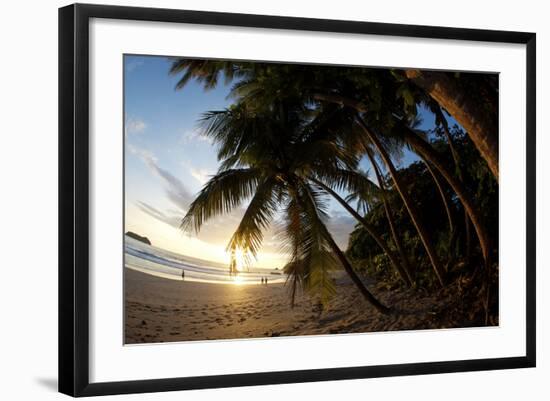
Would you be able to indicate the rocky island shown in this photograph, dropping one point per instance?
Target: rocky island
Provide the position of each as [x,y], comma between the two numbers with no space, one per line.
[135,236]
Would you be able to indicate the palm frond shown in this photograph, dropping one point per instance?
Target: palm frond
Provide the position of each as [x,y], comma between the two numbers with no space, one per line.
[220,195]
[205,72]
[320,281]
[351,181]
[249,234]
[304,238]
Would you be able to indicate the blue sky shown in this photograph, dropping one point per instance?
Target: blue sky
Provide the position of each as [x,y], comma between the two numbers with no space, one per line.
[167,161]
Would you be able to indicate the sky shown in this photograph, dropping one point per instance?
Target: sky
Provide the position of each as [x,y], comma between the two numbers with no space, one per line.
[167,161]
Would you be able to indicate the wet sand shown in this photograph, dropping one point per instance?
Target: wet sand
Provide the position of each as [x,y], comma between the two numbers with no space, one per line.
[164,310]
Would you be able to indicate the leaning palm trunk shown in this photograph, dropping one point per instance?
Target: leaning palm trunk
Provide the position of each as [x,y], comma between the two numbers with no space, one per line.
[426,151]
[479,125]
[442,195]
[391,222]
[458,169]
[370,229]
[353,275]
[439,114]
[347,265]
[447,211]
[411,208]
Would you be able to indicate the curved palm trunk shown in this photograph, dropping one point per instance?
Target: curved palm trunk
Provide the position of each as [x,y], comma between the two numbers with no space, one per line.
[429,154]
[391,222]
[456,159]
[353,275]
[426,151]
[467,237]
[351,272]
[480,126]
[411,208]
[448,136]
[442,195]
[370,229]
[447,211]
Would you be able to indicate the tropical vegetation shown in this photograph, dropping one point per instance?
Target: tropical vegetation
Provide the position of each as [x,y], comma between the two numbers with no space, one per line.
[296,136]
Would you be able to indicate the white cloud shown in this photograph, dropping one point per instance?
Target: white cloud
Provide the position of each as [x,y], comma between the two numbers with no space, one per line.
[195,136]
[134,126]
[132,65]
[172,218]
[175,189]
[201,175]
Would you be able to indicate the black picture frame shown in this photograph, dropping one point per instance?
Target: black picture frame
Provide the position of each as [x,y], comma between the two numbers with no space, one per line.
[74,198]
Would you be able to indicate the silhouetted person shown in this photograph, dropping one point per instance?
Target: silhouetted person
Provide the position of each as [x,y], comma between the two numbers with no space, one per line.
[183,275]
[262,279]
[266,281]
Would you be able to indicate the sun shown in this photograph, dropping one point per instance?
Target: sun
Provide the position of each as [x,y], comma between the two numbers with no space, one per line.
[239,260]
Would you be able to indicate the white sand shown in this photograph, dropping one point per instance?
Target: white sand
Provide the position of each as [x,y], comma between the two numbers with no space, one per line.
[161,310]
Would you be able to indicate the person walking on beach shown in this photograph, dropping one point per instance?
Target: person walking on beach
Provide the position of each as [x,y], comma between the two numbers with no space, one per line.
[183,275]
[262,279]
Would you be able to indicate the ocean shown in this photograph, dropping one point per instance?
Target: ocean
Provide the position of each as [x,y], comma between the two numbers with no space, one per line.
[162,263]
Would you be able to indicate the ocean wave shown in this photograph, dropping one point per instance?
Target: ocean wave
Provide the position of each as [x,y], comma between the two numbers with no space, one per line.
[152,260]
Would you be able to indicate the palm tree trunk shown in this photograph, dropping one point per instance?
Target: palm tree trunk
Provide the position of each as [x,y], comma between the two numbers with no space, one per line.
[426,151]
[353,275]
[411,208]
[458,169]
[480,126]
[370,229]
[439,114]
[467,238]
[443,197]
[389,216]
[349,269]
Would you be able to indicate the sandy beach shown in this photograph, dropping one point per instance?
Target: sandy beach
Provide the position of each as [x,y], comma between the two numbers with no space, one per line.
[164,310]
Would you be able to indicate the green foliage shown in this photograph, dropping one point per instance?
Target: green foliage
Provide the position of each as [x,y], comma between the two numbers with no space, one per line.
[293,124]
[267,155]
[479,181]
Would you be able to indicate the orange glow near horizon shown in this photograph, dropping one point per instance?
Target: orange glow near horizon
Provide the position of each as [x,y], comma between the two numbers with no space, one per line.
[169,238]
[239,260]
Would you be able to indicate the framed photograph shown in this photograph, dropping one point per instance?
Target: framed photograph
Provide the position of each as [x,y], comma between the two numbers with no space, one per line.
[250,199]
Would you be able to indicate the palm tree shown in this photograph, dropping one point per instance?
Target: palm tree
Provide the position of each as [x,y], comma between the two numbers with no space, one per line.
[369,227]
[479,120]
[266,156]
[426,151]
[441,121]
[206,72]
[423,233]
[389,216]
[262,83]
[443,196]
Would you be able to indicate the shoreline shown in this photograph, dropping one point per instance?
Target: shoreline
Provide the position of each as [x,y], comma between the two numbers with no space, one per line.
[163,310]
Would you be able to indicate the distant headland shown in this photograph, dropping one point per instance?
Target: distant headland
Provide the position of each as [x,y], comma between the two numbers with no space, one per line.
[135,236]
